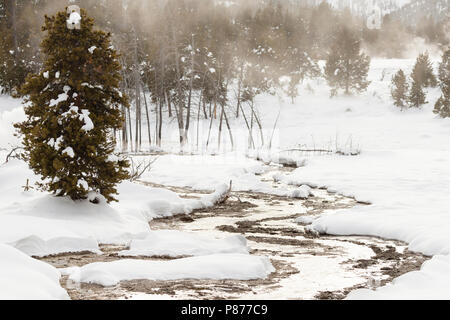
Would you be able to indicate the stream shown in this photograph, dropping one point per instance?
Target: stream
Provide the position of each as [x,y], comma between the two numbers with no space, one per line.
[308,265]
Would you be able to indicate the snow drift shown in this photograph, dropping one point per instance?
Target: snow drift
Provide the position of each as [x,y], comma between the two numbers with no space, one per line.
[24,278]
[213,267]
[176,243]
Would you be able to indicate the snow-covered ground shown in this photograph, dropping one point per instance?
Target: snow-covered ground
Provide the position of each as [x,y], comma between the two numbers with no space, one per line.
[402,170]
[37,224]
[22,277]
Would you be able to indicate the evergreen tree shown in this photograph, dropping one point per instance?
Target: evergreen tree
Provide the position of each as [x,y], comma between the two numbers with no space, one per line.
[417,96]
[399,89]
[322,23]
[295,61]
[347,67]
[442,106]
[72,111]
[423,71]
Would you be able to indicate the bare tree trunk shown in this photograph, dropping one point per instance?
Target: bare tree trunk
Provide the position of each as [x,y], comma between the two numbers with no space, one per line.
[148,119]
[131,131]
[162,96]
[204,108]
[137,85]
[220,128]
[241,76]
[191,84]
[138,121]
[180,98]
[198,118]
[229,130]
[252,119]
[160,119]
[169,105]
[157,138]
[258,123]
[248,127]
[124,131]
[209,131]
[124,85]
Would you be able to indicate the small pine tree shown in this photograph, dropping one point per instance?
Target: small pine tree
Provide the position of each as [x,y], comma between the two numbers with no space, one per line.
[442,106]
[399,89]
[72,111]
[347,68]
[417,96]
[423,71]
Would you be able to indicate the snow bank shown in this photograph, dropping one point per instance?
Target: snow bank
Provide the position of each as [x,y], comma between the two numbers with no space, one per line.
[157,203]
[430,283]
[24,278]
[33,213]
[214,267]
[176,244]
[36,247]
[149,202]
[306,220]
[41,224]
[203,172]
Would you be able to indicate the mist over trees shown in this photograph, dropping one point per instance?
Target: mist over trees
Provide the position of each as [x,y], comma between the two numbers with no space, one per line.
[347,68]
[442,106]
[190,60]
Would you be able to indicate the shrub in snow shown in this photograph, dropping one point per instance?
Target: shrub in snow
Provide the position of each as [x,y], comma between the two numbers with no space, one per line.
[399,90]
[68,132]
[347,68]
[442,106]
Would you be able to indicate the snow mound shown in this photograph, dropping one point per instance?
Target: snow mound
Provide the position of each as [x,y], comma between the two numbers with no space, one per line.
[430,283]
[45,217]
[176,244]
[157,203]
[213,267]
[211,199]
[23,278]
[49,217]
[305,220]
[41,224]
[303,192]
[36,247]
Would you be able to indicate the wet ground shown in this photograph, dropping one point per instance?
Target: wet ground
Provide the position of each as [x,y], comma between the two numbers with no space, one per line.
[308,265]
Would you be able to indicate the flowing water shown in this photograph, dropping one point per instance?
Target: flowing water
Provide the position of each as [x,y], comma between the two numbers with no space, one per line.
[308,265]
